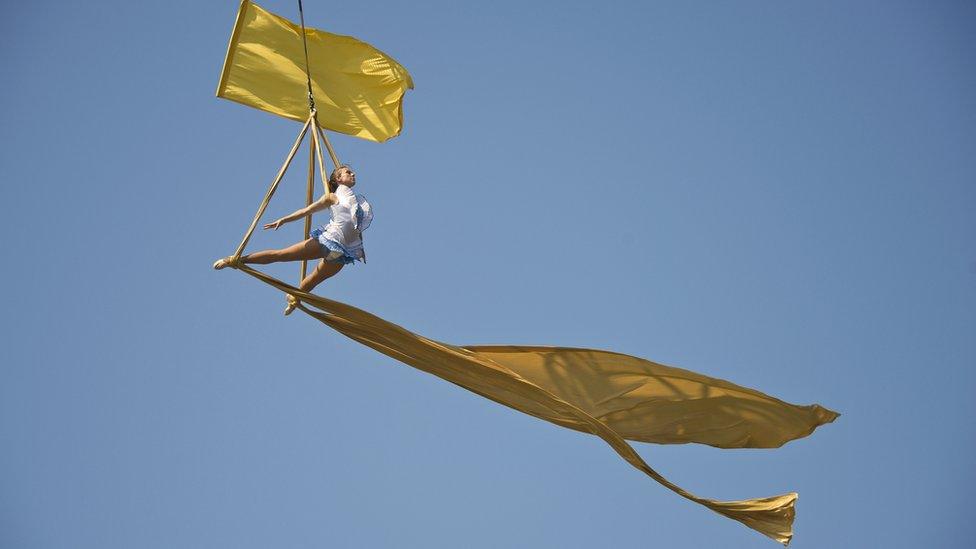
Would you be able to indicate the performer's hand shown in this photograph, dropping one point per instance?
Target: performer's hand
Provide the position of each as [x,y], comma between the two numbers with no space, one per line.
[274,224]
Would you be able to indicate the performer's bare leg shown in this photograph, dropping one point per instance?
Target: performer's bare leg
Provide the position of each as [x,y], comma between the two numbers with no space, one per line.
[323,271]
[307,249]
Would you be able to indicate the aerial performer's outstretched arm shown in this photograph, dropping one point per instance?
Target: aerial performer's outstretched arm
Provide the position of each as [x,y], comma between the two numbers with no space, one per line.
[336,244]
[327,200]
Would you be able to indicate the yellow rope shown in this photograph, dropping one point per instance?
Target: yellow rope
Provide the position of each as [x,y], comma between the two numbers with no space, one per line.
[273,188]
[309,191]
[315,154]
[328,146]
[318,154]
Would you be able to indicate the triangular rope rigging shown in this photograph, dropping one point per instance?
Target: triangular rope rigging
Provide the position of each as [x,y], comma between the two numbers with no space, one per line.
[315,153]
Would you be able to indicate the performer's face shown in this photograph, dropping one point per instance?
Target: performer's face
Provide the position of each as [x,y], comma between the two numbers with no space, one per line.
[346,177]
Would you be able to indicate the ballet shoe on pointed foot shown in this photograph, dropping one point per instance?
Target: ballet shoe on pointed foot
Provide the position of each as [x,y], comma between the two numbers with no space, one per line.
[292,305]
[229,261]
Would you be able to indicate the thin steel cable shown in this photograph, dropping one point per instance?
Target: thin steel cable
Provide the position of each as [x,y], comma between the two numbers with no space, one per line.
[308,72]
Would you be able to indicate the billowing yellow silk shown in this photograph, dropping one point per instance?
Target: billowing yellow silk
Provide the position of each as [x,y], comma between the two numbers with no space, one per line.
[358,89]
[610,395]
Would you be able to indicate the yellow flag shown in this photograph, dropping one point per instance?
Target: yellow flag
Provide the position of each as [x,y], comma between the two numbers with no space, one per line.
[358,89]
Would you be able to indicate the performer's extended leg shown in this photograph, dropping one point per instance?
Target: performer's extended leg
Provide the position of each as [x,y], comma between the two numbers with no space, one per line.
[307,249]
[323,271]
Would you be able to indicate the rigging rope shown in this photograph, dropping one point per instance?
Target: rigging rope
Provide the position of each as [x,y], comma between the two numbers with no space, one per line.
[308,72]
[316,150]
[311,98]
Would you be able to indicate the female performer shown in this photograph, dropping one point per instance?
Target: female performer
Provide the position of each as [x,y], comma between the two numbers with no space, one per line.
[336,244]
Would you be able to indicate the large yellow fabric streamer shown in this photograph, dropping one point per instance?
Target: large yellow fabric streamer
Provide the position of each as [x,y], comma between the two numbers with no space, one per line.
[610,395]
[358,89]
[649,402]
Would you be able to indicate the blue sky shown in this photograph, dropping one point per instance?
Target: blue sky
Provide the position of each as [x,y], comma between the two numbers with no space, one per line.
[780,194]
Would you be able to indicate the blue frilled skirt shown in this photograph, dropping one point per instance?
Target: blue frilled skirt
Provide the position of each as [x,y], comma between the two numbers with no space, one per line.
[333,251]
